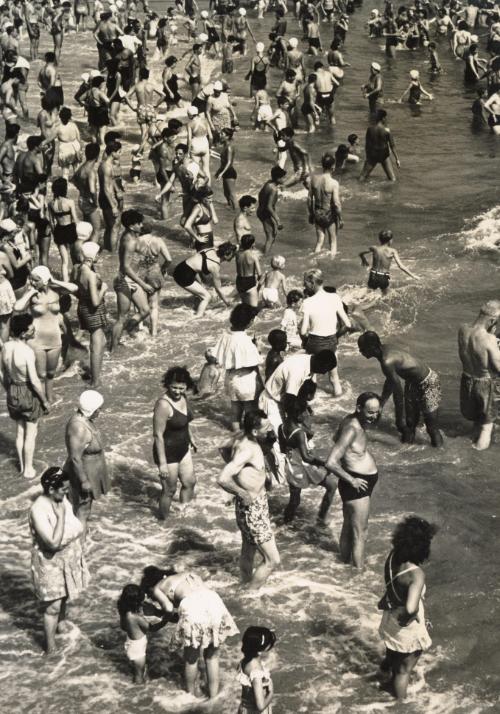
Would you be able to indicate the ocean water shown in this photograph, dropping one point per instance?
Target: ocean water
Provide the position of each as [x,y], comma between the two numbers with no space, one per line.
[443,212]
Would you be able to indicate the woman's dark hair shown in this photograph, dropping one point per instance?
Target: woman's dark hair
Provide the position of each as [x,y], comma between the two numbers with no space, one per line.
[65,115]
[171,60]
[411,540]
[97,81]
[241,316]
[131,218]
[247,241]
[255,640]
[59,187]
[92,151]
[130,600]
[226,251]
[53,477]
[177,374]
[341,153]
[352,138]
[246,201]
[152,575]
[293,297]
[201,193]
[19,323]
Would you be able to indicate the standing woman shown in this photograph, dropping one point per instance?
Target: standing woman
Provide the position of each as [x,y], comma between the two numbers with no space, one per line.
[172,440]
[226,171]
[57,563]
[92,313]
[257,74]
[199,138]
[114,91]
[62,213]
[200,222]
[220,112]
[403,627]
[17,261]
[248,271]
[42,301]
[170,82]
[152,268]
[86,463]
[97,104]
[204,621]
[70,148]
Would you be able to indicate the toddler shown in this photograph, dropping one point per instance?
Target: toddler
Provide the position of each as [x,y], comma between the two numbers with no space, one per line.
[277,340]
[289,321]
[273,280]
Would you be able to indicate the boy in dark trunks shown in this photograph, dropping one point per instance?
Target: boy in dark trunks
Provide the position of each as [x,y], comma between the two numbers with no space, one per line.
[382,257]
[266,209]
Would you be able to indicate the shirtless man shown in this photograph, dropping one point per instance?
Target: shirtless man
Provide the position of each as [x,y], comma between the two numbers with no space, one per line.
[242,225]
[288,91]
[29,164]
[128,285]
[105,32]
[8,97]
[109,195]
[266,209]
[8,157]
[162,155]
[422,390]
[26,399]
[325,208]
[244,476]
[356,469]
[193,70]
[480,356]
[86,181]
[382,257]
[378,146]
[299,158]
[325,85]
[144,92]
[49,77]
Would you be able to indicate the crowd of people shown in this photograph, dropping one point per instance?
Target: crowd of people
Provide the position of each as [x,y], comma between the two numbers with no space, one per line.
[78,202]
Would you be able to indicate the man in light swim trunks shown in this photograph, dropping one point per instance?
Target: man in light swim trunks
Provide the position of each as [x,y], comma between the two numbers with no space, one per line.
[325,209]
[244,476]
[378,146]
[266,208]
[422,390]
[356,469]
[325,85]
[144,92]
[480,356]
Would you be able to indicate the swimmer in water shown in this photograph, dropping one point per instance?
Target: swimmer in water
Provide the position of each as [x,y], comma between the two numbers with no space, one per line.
[382,257]
[209,376]
[415,90]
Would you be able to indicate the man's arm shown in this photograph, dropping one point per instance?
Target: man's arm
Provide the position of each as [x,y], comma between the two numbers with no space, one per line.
[109,187]
[343,315]
[392,146]
[76,443]
[402,267]
[393,386]
[493,354]
[226,479]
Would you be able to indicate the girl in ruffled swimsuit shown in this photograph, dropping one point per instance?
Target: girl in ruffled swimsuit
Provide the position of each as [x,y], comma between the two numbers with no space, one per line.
[256,683]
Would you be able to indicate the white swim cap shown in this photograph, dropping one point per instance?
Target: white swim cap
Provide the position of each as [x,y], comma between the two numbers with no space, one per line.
[242,11]
[204,14]
[90,401]
[260,47]
[85,76]
[42,272]
[293,42]
[202,37]
[414,74]
[94,73]
[375,12]
[84,230]
[278,262]
[192,111]
[173,28]
[376,67]
[218,86]
[8,225]
[208,89]
[90,250]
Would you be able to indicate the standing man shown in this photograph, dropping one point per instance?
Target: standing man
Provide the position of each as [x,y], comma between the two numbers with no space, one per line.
[321,312]
[86,181]
[325,209]
[109,194]
[266,206]
[378,146]
[422,390]
[244,476]
[480,356]
[325,85]
[356,469]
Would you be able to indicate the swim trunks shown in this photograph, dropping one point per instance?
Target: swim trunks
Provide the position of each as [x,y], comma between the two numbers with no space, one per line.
[377,280]
[477,399]
[123,284]
[349,493]
[146,114]
[318,343]
[324,218]
[245,283]
[424,396]
[325,99]
[136,649]
[253,520]
[23,403]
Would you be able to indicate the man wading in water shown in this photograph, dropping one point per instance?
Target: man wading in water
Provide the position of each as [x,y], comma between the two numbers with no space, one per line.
[378,147]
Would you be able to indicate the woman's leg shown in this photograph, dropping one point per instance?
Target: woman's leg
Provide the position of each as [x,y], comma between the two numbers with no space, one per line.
[236,413]
[211,655]
[402,673]
[330,486]
[168,489]
[187,478]
[154,311]
[201,292]
[205,165]
[30,432]
[191,655]
[41,366]
[63,252]
[229,186]
[50,619]
[52,357]
[20,438]
[62,624]
[139,669]
[293,503]
[123,303]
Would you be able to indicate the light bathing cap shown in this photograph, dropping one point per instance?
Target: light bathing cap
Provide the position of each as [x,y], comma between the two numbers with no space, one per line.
[90,401]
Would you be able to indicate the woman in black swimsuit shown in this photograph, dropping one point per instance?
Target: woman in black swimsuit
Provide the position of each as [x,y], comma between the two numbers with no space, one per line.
[171,83]
[114,90]
[63,217]
[199,224]
[172,439]
[190,273]
[226,171]
[97,104]
[257,73]
[248,271]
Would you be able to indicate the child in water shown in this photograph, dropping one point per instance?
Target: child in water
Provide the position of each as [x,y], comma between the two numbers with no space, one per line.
[256,683]
[289,321]
[135,624]
[272,281]
[209,376]
[263,111]
[277,340]
[382,257]
[7,302]
[415,90]
[435,65]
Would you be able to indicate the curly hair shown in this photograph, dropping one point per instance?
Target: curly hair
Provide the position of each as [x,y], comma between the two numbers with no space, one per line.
[412,538]
[177,374]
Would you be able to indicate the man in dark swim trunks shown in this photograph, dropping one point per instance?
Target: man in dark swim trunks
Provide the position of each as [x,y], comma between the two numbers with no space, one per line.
[480,356]
[266,207]
[109,195]
[422,390]
[382,257]
[378,147]
[325,85]
[356,469]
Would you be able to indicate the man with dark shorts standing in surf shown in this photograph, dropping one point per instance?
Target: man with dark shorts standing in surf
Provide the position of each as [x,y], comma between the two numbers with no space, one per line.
[480,356]
[422,391]
[378,146]
[356,469]
[266,206]
[244,477]
[325,85]
[325,209]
